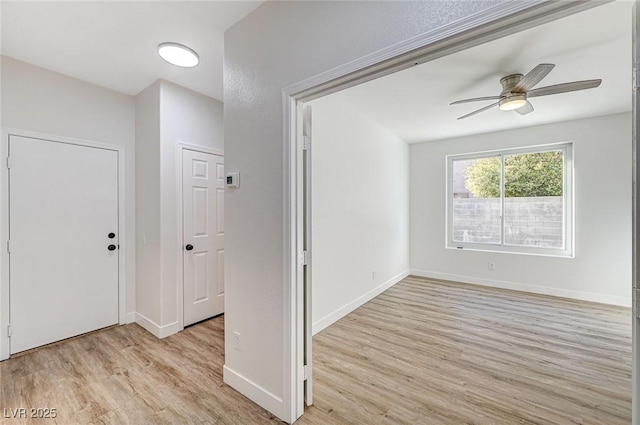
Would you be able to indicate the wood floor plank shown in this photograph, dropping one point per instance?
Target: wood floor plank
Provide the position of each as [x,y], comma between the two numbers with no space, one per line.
[424,352]
[482,355]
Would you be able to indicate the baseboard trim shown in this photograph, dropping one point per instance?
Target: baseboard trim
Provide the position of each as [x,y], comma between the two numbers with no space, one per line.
[338,314]
[535,289]
[129,317]
[155,329]
[253,391]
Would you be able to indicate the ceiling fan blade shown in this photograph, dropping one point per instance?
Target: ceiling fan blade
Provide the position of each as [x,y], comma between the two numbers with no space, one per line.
[479,110]
[533,77]
[564,88]
[526,109]
[476,99]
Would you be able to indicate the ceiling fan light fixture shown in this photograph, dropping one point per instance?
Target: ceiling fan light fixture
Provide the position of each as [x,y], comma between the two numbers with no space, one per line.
[178,54]
[513,102]
[516,88]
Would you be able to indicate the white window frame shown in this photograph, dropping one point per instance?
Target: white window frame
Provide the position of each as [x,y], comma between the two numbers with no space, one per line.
[567,250]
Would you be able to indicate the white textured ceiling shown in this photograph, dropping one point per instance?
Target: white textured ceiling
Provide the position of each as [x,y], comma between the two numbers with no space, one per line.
[114,43]
[414,103]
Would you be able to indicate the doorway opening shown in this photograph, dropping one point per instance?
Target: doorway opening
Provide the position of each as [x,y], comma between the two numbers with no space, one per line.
[343,176]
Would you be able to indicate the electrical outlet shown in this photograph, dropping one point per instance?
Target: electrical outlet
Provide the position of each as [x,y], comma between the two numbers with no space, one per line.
[236,341]
[491,267]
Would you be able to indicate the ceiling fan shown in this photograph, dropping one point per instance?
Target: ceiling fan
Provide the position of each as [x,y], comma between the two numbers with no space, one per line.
[517,88]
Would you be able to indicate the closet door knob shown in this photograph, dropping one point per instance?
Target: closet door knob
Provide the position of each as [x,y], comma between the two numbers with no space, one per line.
[189,247]
[111,247]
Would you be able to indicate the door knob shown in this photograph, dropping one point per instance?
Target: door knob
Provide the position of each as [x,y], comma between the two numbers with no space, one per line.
[189,247]
[111,235]
[111,247]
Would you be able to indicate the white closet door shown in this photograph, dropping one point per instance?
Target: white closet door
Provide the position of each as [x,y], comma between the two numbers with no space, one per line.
[203,234]
[63,207]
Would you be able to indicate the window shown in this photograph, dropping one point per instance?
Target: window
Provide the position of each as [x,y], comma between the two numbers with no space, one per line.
[515,200]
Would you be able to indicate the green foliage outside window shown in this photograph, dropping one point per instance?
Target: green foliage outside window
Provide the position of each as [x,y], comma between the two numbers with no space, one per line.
[525,175]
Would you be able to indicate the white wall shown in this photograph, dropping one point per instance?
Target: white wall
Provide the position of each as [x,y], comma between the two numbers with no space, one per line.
[360,208]
[601,269]
[275,46]
[190,117]
[148,298]
[167,115]
[43,101]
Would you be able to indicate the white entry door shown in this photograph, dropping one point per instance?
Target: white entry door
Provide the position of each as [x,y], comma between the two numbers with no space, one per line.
[203,235]
[63,252]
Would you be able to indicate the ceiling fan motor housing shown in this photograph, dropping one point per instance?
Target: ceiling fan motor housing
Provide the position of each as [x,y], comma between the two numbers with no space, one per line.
[509,82]
[511,100]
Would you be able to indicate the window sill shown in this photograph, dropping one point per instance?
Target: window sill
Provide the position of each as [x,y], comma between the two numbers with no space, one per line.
[517,251]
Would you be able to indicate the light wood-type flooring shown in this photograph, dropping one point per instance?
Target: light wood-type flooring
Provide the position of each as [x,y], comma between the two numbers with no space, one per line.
[424,352]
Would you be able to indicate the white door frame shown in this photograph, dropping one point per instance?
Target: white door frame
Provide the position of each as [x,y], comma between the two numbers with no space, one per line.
[182,146]
[496,22]
[4,225]
[635,375]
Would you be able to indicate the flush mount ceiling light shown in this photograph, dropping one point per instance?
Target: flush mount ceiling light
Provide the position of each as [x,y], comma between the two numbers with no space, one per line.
[178,55]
